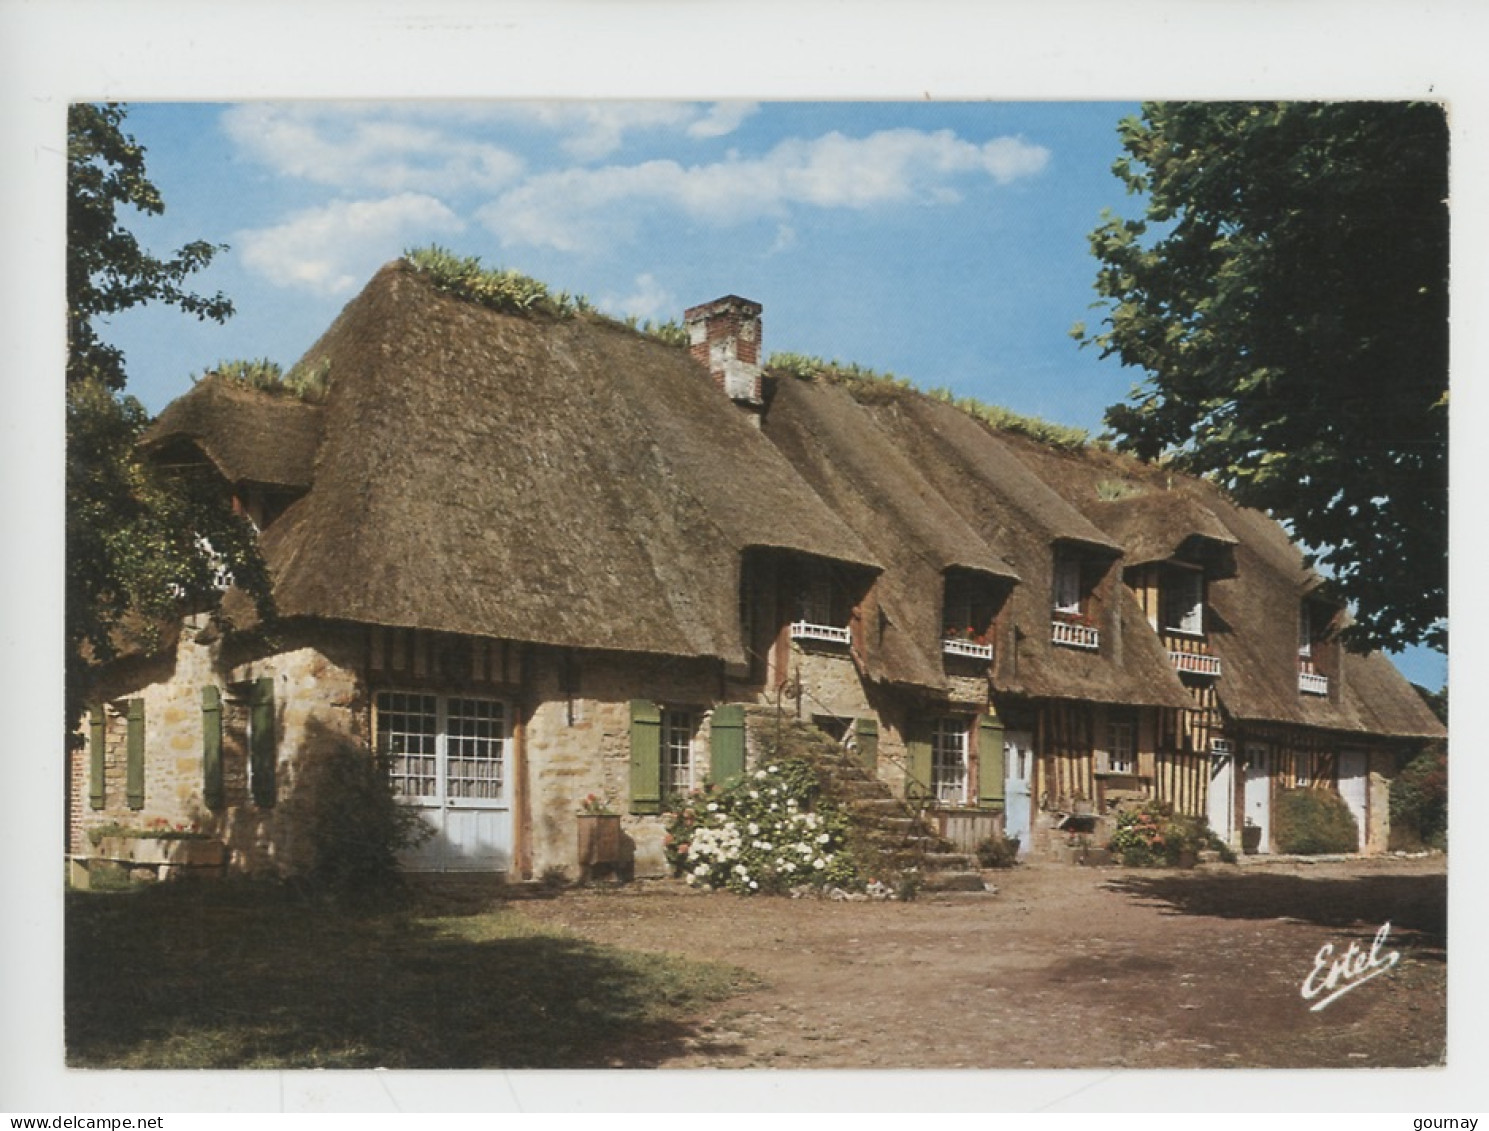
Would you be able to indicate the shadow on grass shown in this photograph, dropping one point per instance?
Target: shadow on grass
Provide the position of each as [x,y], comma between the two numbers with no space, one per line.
[1416,906]
[249,977]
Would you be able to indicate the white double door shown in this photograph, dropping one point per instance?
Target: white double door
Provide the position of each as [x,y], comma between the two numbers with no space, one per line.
[448,758]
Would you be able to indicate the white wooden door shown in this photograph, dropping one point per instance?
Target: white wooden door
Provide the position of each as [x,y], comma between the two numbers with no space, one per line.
[1018,776]
[1221,804]
[448,757]
[1258,797]
[1354,785]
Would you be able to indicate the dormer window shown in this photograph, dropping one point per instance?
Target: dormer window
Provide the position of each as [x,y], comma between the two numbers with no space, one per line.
[968,611]
[1313,656]
[1072,621]
[1184,600]
[824,607]
[1067,586]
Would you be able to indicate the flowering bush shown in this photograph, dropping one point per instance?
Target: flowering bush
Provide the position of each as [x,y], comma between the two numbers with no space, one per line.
[156,828]
[767,831]
[595,806]
[1154,835]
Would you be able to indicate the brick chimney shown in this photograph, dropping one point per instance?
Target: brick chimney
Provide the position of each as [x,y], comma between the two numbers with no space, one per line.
[724,335]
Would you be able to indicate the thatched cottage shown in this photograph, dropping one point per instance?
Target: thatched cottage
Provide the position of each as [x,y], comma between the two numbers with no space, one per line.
[533,559]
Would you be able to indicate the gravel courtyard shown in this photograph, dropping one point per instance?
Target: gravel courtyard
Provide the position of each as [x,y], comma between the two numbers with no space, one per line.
[1061,967]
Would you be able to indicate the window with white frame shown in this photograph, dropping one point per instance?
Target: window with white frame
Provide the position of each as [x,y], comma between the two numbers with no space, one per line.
[1121,747]
[949,760]
[679,745]
[443,748]
[1184,601]
[1305,632]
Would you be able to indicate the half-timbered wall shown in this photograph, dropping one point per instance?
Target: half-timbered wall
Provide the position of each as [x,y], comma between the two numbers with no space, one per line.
[1065,742]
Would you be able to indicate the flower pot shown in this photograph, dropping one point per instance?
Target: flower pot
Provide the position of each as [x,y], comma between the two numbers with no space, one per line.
[599,844]
[1251,839]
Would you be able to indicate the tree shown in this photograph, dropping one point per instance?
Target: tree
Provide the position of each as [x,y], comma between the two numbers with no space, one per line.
[141,545]
[1286,290]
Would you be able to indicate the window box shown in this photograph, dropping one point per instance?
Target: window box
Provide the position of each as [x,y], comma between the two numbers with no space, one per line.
[1195,663]
[968,648]
[830,634]
[1311,683]
[1075,635]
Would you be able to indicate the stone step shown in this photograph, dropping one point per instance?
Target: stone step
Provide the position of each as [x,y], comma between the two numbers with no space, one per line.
[953,881]
[951,861]
[864,790]
[888,806]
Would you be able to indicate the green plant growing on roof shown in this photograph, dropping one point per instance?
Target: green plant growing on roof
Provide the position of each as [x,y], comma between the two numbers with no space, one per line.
[506,290]
[1111,490]
[512,292]
[308,382]
[870,386]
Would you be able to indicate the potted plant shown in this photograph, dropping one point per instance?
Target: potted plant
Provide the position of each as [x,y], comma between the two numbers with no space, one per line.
[1251,838]
[599,838]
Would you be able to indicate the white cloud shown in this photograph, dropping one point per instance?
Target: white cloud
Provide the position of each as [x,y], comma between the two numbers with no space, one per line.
[649,300]
[577,208]
[332,249]
[722,118]
[596,129]
[390,148]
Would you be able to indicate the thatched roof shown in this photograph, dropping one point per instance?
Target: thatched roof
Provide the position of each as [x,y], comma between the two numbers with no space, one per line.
[250,436]
[1253,603]
[1160,525]
[938,468]
[854,466]
[561,482]
[571,482]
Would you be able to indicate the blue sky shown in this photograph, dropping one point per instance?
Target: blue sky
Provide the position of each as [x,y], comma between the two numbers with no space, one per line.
[944,242]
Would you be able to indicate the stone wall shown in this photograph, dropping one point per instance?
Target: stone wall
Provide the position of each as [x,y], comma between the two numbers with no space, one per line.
[579,743]
[317,702]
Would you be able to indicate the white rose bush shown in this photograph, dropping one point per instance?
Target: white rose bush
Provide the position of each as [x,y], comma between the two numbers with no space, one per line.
[767,831]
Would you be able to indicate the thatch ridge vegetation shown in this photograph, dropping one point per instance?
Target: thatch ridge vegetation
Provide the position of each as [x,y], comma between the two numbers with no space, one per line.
[871,386]
[512,292]
[309,382]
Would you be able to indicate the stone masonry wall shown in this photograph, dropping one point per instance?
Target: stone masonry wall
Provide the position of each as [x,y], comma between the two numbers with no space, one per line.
[317,702]
[581,744]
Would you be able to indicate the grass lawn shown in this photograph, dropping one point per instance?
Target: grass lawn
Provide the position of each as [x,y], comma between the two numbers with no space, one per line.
[239,975]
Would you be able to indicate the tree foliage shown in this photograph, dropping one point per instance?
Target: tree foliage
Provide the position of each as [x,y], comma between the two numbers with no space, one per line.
[141,545]
[1286,291]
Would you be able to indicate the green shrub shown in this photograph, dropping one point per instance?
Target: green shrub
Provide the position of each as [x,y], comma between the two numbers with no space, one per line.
[1419,802]
[357,824]
[998,852]
[1308,822]
[1155,836]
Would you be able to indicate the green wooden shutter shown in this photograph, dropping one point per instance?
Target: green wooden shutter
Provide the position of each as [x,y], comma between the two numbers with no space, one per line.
[646,757]
[212,792]
[262,748]
[917,761]
[96,731]
[726,745]
[989,760]
[866,734]
[134,773]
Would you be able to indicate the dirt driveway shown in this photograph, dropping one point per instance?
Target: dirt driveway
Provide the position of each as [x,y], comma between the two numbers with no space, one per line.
[1062,967]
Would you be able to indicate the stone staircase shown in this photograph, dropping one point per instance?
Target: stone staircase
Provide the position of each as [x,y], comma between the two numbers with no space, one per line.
[884,827]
